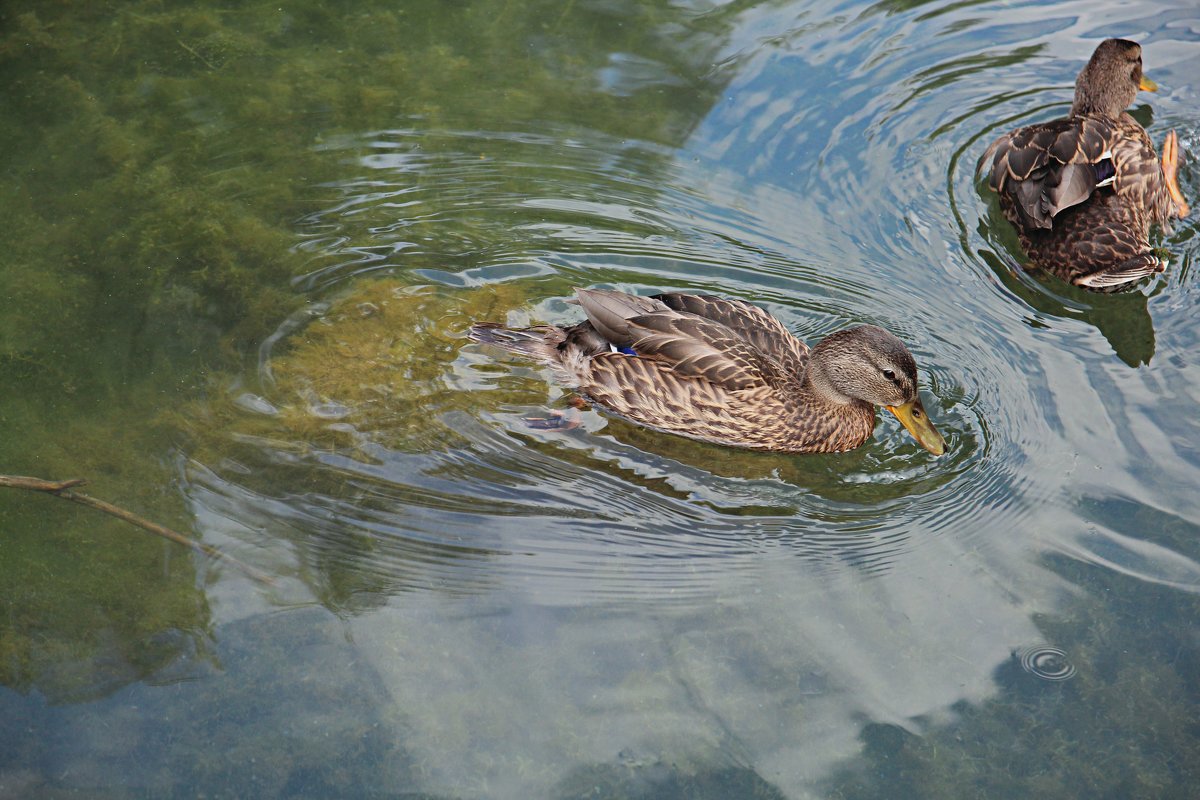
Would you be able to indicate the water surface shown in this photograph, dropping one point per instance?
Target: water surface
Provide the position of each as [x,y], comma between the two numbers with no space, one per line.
[288,222]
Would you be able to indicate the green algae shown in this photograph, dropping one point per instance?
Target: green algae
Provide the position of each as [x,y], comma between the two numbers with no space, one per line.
[1125,725]
[375,362]
[87,600]
[157,156]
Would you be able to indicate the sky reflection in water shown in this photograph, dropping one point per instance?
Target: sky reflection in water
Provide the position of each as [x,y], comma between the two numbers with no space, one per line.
[496,611]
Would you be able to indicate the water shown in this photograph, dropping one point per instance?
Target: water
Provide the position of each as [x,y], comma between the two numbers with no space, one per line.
[270,320]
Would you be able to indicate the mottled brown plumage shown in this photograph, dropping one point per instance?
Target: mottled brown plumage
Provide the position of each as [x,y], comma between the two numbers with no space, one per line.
[727,372]
[1083,191]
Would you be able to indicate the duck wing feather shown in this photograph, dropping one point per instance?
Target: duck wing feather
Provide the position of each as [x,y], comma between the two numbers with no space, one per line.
[1100,245]
[751,323]
[701,349]
[1045,168]
[609,312]
[728,343]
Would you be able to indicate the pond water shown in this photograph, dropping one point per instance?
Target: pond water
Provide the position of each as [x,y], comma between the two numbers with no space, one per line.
[245,245]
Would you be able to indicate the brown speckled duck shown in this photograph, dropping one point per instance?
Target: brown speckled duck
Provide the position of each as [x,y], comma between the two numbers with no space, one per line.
[1083,191]
[728,372]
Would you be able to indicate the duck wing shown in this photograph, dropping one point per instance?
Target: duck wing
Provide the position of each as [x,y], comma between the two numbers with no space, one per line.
[692,346]
[695,377]
[749,322]
[1042,169]
[701,349]
[609,312]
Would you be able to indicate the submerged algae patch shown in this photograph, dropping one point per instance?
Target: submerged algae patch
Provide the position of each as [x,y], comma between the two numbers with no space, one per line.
[158,156]
[382,353]
[372,367]
[91,603]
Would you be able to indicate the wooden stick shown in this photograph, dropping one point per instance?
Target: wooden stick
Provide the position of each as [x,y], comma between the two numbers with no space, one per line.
[63,489]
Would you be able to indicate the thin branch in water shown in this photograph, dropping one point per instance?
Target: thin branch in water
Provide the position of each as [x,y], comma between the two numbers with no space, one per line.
[192,50]
[63,489]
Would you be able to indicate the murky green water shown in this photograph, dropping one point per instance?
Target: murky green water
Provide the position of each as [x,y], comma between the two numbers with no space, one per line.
[243,244]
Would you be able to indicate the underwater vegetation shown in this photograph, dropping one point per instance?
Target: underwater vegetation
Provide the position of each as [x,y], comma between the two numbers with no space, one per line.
[156,157]
[185,329]
[159,154]
[363,363]
[1115,728]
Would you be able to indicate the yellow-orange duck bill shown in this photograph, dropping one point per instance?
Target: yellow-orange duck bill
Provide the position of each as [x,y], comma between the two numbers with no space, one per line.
[1147,85]
[914,419]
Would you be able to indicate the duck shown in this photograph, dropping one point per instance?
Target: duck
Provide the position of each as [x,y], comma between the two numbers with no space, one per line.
[725,371]
[1083,191]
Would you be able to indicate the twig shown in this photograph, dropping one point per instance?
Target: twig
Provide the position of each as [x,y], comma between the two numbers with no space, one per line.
[63,489]
[192,50]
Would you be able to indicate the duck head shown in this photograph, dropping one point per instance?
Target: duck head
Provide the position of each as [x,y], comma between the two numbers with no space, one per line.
[871,365]
[1111,80]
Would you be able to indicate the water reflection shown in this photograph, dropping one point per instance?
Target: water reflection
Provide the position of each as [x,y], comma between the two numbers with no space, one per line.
[1122,319]
[429,473]
[825,567]
[538,613]
[434,484]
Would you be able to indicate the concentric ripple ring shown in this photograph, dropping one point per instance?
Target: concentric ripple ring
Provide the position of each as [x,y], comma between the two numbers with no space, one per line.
[1048,663]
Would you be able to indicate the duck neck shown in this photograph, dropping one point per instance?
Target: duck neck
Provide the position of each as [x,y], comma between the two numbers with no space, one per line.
[827,420]
[817,388]
[1097,97]
[1085,106]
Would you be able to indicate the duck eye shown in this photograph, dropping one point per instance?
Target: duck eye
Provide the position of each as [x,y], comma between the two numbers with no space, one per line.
[891,376]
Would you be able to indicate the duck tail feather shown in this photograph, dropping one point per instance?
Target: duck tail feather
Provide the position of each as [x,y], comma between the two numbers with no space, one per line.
[540,342]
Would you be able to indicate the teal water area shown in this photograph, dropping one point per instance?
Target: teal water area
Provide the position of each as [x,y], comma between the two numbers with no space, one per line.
[244,243]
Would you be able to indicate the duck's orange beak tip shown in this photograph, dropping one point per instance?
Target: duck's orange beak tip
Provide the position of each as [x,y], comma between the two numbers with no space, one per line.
[914,419]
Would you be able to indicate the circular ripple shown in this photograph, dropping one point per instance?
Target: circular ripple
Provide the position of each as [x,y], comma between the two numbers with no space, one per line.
[439,476]
[870,211]
[1048,663]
